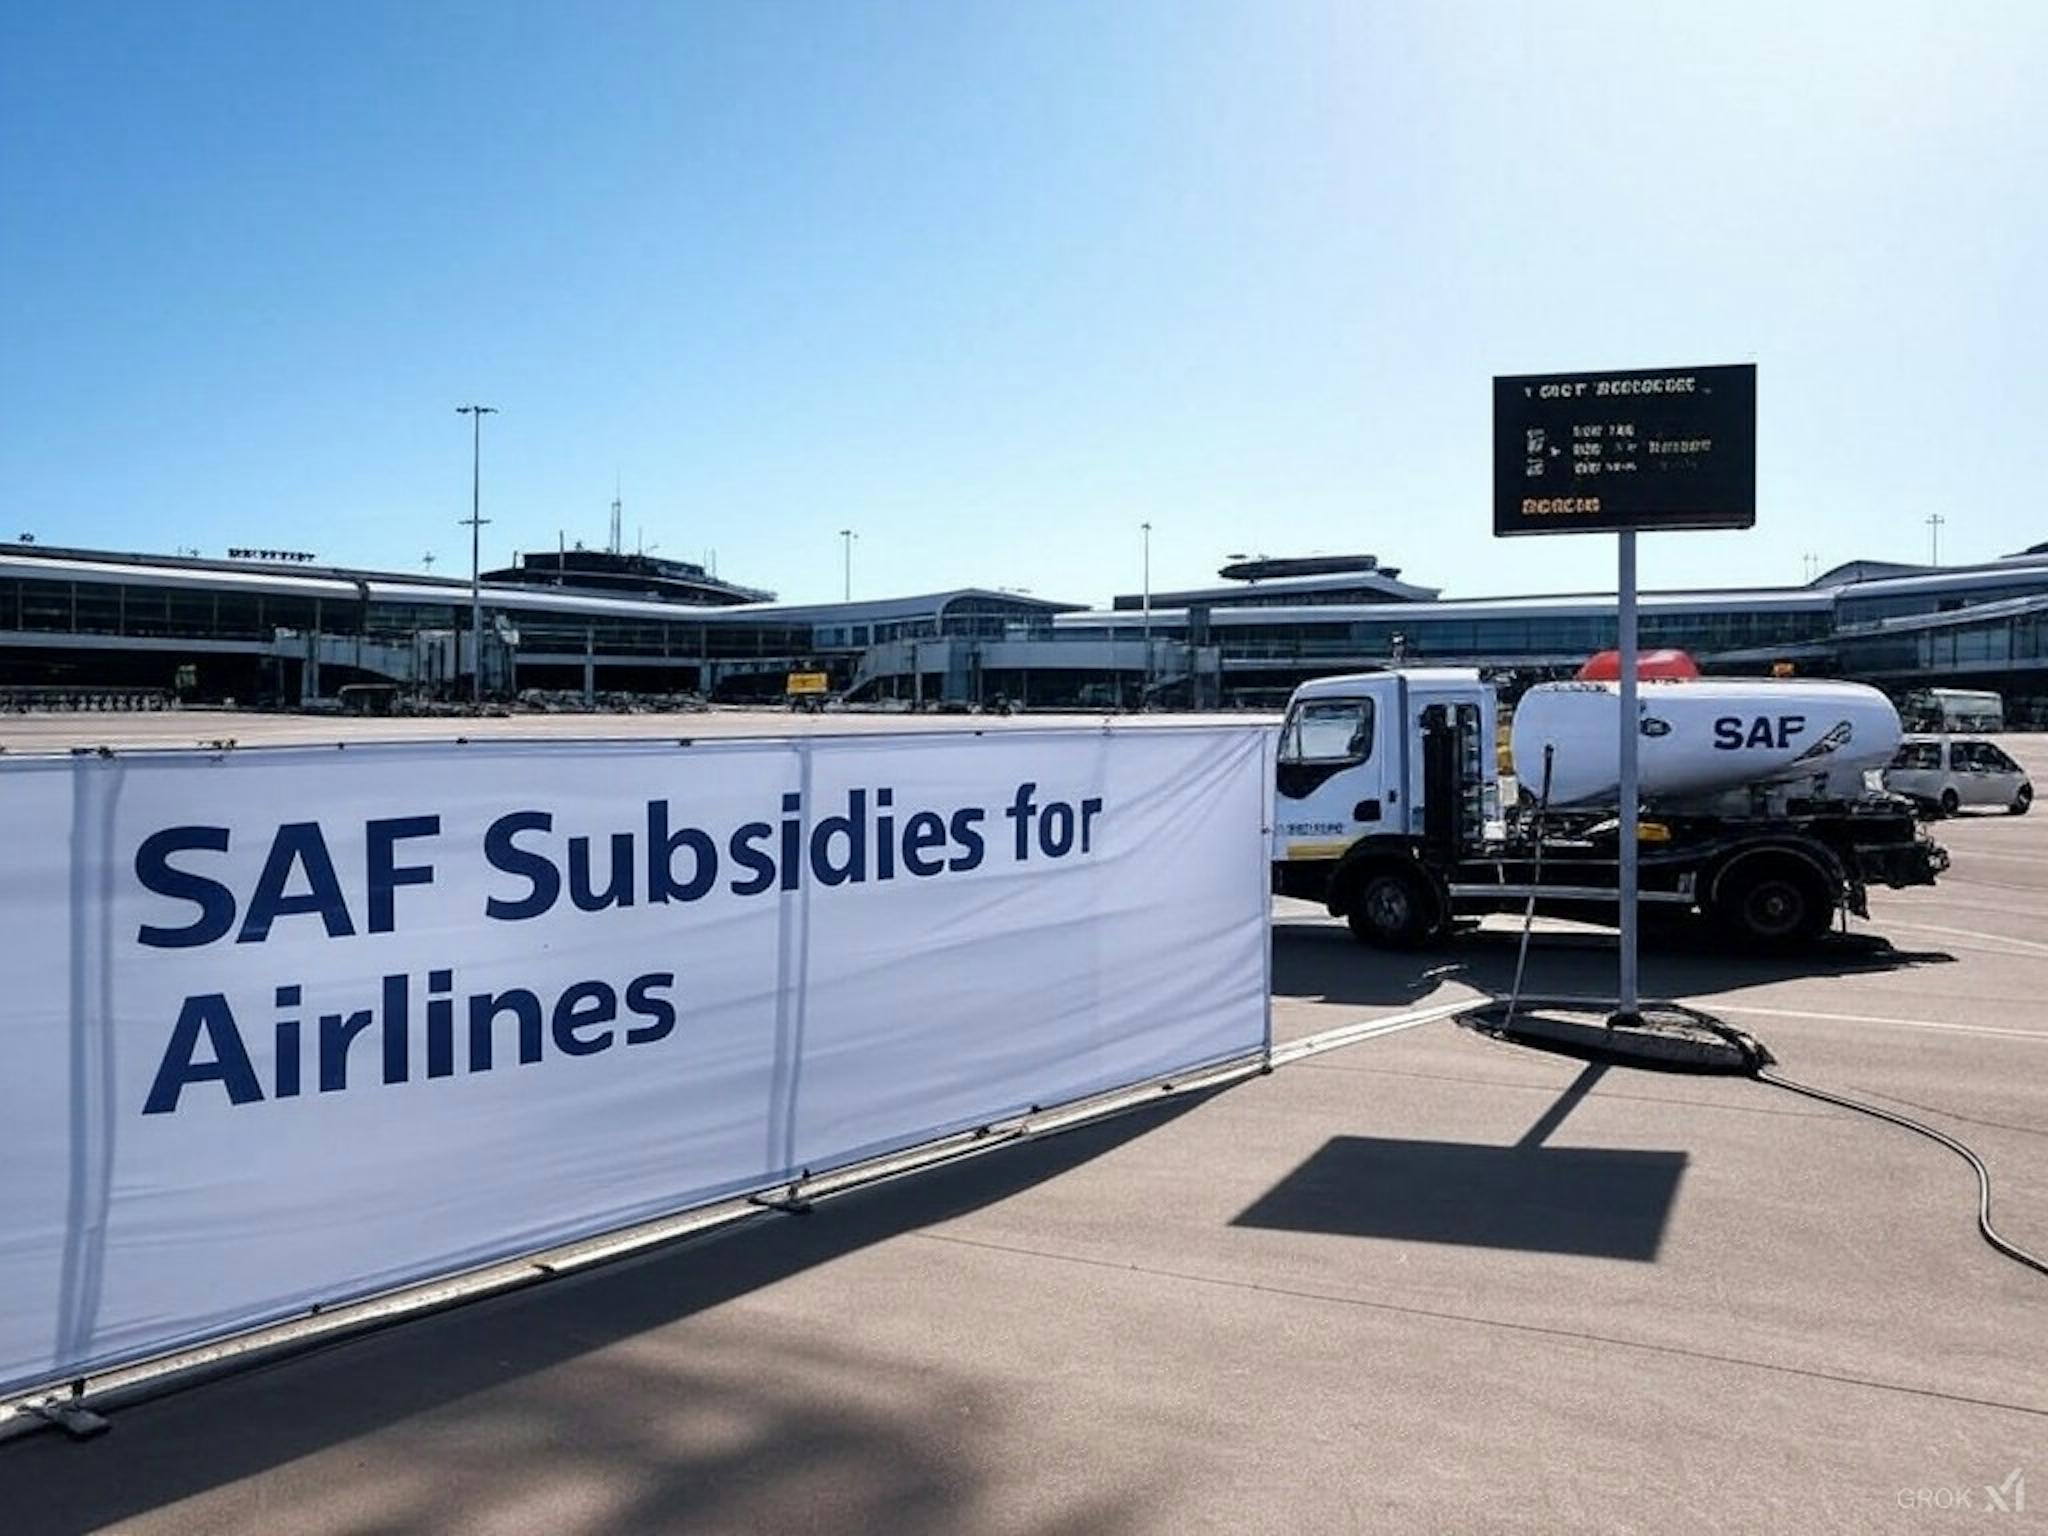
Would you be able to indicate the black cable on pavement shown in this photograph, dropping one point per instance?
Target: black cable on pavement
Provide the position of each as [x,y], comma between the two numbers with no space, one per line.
[1535,880]
[1991,1234]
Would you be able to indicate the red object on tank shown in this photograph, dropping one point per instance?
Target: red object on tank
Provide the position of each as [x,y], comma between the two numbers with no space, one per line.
[1605,666]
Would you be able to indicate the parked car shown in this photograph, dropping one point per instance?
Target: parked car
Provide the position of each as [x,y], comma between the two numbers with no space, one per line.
[1946,774]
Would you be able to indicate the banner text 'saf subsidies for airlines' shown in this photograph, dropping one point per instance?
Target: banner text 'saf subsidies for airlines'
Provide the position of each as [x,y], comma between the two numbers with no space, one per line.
[286,1027]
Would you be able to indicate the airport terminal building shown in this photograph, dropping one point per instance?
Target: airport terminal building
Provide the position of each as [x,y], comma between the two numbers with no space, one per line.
[291,633]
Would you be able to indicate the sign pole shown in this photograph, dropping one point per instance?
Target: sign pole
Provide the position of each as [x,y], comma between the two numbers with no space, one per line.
[1631,736]
[1626,451]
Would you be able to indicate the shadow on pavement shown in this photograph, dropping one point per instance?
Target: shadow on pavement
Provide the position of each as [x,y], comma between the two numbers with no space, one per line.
[1321,961]
[1593,1201]
[668,1433]
[1601,1202]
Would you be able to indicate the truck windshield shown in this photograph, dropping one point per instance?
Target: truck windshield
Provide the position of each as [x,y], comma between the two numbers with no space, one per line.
[1328,731]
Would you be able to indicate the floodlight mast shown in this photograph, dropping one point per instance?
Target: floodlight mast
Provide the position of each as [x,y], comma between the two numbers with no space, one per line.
[1145,686]
[475,523]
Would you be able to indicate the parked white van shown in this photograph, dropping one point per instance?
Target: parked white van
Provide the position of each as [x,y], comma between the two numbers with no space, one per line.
[1947,774]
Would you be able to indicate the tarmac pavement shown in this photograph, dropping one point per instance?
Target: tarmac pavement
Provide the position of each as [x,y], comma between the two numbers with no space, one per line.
[1424,1282]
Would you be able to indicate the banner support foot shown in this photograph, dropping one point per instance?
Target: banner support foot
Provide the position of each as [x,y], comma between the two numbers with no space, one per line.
[71,1415]
[790,1203]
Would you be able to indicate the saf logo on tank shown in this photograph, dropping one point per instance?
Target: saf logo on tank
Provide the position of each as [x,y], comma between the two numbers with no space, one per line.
[1731,734]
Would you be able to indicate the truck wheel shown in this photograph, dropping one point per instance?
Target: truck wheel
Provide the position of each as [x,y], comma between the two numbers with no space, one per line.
[1773,903]
[1951,802]
[2023,801]
[1391,910]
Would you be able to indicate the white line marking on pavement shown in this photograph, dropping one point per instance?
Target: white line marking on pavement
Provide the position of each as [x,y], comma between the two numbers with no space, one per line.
[2039,1036]
[1714,1005]
[1999,939]
[1368,1029]
[1371,1029]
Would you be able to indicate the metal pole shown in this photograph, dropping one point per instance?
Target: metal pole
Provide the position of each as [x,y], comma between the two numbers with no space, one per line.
[1631,735]
[476,533]
[1145,687]
[476,414]
[846,539]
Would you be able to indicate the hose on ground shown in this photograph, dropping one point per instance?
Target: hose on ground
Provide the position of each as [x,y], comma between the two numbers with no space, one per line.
[1757,1062]
[1535,880]
[1990,1233]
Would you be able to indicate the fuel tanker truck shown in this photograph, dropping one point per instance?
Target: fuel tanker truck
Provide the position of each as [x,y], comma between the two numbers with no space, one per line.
[1390,807]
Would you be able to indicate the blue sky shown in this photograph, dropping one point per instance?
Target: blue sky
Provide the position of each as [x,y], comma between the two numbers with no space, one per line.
[994,284]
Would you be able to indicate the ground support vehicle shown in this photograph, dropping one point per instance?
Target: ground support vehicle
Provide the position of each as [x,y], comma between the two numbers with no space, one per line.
[1389,809]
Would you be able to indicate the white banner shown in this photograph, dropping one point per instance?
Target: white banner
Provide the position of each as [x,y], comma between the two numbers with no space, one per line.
[297,1026]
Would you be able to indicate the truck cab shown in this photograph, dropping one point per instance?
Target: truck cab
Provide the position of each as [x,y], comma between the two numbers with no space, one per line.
[1379,776]
[1346,768]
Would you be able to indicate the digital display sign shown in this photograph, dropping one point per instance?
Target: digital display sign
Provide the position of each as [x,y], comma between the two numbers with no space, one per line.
[1647,448]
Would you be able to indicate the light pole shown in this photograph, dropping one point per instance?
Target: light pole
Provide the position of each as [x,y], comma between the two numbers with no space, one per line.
[476,414]
[1934,522]
[1145,687]
[847,536]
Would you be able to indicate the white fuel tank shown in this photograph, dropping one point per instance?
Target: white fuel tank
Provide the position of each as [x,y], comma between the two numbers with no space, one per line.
[1701,739]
